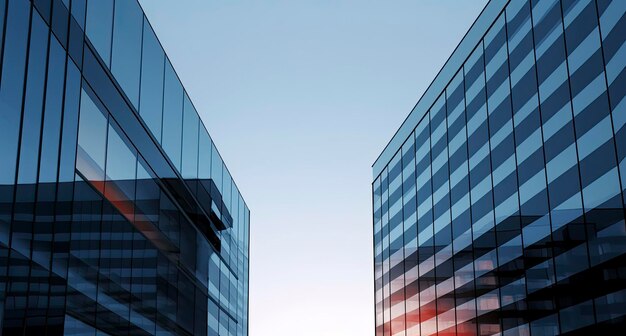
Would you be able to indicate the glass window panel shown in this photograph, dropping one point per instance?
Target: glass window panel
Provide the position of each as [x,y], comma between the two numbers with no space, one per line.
[172,116]
[213,318]
[74,327]
[147,196]
[246,227]
[613,27]
[33,104]
[45,8]
[611,306]
[228,182]
[60,21]
[126,59]
[188,244]
[202,265]
[92,133]
[70,123]
[545,326]
[190,140]
[240,220]
[577,316]
[169,218]
[204,156]
[223,324]
[224,284]
[100,27]
[78,11]
[152,67]
[216,168]
[52,115]
[120,159]
[12,85]
[121,166]
[214,275]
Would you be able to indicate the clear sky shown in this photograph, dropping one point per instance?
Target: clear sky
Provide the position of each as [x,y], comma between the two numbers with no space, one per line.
[300,97]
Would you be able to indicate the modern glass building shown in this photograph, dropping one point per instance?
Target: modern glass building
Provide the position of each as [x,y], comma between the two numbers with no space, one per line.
[117,213]
[498,206]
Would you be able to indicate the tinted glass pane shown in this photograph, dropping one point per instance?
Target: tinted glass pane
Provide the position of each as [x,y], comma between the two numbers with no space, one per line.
[73,327]
[92,134]
[78,11]
[172,116]
[190,140]
[228,184]
[70,123]
[214,275]
[100,27]
[216,168]
[126,59]
[120,173]
[12,85]
[120,164]
[147,195]
[152,66]
[204,155]
[33,104]
[52,115]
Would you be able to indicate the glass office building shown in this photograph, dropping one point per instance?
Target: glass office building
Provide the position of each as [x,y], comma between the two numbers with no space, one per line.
[498,206]
[117,213]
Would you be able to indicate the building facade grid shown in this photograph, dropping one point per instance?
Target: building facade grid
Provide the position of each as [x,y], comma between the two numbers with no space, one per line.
[117,212]
[503,211]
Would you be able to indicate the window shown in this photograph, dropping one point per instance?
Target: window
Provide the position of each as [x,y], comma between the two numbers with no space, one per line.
[100,26]
[92,135]
[204,155]
[70,124]
[120,167]
[33,104]
[190,140]
[152,67]
[216,168]
[172,116]
[52,115]
[126,59]
[11,86]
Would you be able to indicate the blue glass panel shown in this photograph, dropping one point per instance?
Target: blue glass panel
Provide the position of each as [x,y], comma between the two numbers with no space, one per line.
[33,104]
[152,67]
[204,155]
[126,59]
[216,168]
[100,27]
[213,318]
[78,11]
[52,114]
[172,116]
[120,163]
[121,166]
[70,124]
[92,135]
[12,86]
[190,140]
[214,275]
[228,182]
[74,327]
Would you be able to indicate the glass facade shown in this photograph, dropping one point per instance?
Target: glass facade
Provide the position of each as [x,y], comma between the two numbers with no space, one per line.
[117,213]
[498,207]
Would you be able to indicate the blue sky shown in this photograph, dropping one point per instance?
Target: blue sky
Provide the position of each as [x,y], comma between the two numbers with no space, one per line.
[300,98]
